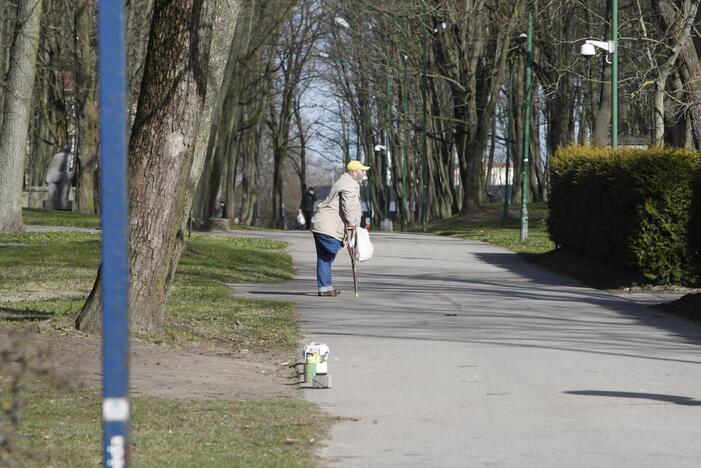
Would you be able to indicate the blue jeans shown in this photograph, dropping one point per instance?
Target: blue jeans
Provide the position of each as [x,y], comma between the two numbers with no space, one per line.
[326,249]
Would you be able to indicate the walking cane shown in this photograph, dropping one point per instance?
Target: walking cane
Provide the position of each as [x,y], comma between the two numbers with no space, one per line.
[351,253]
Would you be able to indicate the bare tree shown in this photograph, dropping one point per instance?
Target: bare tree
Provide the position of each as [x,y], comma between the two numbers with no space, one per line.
[86,102]
[180,86]
[681,28]
[253,33]
[297,42]
[16,112]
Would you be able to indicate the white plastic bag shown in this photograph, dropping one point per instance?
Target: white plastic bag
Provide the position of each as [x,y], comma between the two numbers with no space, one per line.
[300,218]
[363,247]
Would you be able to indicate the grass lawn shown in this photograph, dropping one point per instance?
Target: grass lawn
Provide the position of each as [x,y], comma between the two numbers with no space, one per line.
[488,226]
[44,280]
[60,428]
[59,218]
[46,277]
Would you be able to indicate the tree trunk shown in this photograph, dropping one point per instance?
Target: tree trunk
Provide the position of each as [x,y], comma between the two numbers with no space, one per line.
[16,111]
[518,118]
[139,15]
[86,78]
[279,153]
[302,137]
[229,183]
[490,159]
[6,15]
[180,86]
[226,112]
[249,176]
[47,130]
[602,109]
[687,18]
[690,71]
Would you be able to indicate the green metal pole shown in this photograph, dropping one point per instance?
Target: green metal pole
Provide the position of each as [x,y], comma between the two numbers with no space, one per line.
[508,141]
[424,105]
[388,124]
[614,75]
[405,158]
[527,128]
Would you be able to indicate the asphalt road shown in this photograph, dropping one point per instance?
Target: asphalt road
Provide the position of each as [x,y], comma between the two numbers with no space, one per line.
[457,353]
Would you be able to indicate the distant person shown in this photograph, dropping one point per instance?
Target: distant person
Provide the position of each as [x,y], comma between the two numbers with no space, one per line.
[336,217]
[307,206]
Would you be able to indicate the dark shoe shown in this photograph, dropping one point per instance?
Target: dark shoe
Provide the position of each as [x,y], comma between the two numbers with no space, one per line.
[333,292]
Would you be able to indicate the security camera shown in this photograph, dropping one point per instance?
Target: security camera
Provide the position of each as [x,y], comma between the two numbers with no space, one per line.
[522,38]
[588,49]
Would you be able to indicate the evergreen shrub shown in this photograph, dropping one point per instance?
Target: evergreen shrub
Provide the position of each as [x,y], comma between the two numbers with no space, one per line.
[634,209]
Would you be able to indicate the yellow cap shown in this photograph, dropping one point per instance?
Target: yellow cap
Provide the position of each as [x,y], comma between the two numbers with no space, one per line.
[356,165]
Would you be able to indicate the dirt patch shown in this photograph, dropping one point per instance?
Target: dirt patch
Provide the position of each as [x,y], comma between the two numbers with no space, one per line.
[163,371]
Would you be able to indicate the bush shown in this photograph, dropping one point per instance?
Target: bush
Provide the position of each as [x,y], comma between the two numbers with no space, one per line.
[634,209]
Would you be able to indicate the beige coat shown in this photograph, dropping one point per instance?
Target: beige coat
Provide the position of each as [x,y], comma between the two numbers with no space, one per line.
[341,208]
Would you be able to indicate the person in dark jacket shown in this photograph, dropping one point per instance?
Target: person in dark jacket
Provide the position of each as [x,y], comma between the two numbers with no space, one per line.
[307,206]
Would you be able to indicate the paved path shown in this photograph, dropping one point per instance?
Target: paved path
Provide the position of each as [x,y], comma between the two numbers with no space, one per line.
[457,353]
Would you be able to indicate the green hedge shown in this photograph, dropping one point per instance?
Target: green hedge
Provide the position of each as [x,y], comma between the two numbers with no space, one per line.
[635,209]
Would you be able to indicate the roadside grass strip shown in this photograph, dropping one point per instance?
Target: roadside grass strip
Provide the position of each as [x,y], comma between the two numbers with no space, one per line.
[46,277]
[203,309]
[488,227]
[59,428]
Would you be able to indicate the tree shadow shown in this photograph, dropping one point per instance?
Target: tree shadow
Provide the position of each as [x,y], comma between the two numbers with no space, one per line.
[593,273]
[642,314]
[676,399]
[23,315]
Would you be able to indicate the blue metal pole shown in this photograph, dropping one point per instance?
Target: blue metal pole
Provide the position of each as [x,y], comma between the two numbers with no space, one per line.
[114,213]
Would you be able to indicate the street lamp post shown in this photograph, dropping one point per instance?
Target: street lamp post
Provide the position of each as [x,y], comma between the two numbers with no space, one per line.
[405,126]
[388,124]
[527,127]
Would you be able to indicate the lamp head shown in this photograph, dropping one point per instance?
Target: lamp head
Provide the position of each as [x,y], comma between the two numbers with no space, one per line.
[588,49]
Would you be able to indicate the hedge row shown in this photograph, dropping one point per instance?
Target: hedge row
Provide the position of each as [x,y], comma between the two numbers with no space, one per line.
[635,209]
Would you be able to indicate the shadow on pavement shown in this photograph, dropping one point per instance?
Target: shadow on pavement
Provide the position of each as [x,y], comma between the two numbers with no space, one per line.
[677,400]
[282,293]
[642,314]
